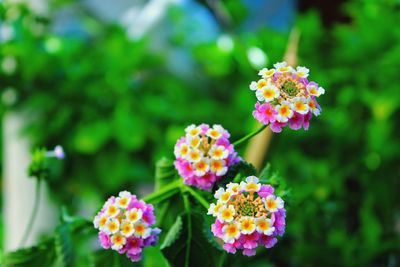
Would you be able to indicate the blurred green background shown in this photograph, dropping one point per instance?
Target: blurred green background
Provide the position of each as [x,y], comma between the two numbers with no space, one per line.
[116,93]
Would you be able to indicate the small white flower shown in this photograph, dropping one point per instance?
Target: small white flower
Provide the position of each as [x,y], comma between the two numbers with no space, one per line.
[134,215]
[272,203]
[112,226]
[193,141]
[300,105]
[266,73]
[282,67]
[314,90]
[194,155]
[247,225]
[231,232]
[181,151]
[219,192]
[214,209]
[284,112]
[193,130]
[252,179]
[251,185]
[141,230]
[118,241]
[226,214]
[254,86]
[225,197]
[201,167]
[313,107]
[302,72]
[215,132]
[267,93]
[233,187]
[218,152]
[100,221]
[264,226]
[218,167]
[127,228]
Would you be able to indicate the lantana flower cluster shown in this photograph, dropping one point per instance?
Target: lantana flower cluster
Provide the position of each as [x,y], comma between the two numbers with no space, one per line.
[204,155]
[247,215]
[125,225]
[286,97]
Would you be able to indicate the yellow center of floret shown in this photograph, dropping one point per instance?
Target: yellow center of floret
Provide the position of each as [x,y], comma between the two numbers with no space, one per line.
[271,204]
[268,93]
[217,153]
[194,132]
[123,201]
[269,72]
[127,228]
[112,210]
[118,239]
[247,224]
[263,225]
[184,150]
[217,207]
[300,105]
[251,187]
[216,165]
[313,91]
[102,221]
[195,142]
[284,111]
[201,166]
[139,228]
[194,155]
[214,133]
[232,230]
[133,216]
[225,196]
[261,84]
[227,214]
[112,226]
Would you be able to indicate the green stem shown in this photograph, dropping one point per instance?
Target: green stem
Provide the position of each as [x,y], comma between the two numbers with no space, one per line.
[186,204]
[198,197]
[249,136]
[222,259]
[32,217]
[164,193]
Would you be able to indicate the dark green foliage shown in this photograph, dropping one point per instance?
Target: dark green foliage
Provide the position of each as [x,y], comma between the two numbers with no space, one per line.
[200,253]
[41,255]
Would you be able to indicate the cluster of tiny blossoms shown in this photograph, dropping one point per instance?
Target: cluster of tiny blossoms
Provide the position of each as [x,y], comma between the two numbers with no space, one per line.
[247,215]
[124,225]
[204,155]
[286,97]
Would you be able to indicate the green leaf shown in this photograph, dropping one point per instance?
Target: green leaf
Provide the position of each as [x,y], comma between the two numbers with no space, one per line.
[238,172]
[201,252]
[209,235]
[173,233]
[64,246]
[42,254]
[265,174]
[165,172]
[268,176]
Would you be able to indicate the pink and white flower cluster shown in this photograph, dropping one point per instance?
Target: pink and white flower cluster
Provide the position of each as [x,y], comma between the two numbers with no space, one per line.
[125,225]
[286,97]
[247,215]
[204,155]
